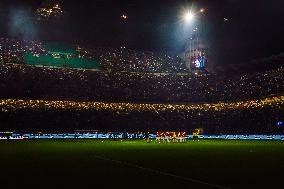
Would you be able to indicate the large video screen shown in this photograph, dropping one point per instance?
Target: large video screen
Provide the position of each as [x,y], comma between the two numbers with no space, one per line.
[198,62]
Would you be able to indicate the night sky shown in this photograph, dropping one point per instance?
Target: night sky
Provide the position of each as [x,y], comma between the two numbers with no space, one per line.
[254,28]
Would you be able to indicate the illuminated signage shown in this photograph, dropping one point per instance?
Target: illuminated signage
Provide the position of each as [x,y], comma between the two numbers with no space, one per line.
[198,63]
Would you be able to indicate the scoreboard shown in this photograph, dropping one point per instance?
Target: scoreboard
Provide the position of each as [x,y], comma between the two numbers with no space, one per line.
[198,62]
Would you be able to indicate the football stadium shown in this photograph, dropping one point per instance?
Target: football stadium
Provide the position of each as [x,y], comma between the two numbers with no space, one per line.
[81,114]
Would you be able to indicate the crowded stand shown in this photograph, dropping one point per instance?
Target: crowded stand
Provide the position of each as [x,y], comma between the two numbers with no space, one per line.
[126,76]
[111,59]
[152,91]
[21,81]
[249,117]
[124,59]
[12,50]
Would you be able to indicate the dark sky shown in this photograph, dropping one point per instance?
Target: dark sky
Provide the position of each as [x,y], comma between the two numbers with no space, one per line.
[255,28]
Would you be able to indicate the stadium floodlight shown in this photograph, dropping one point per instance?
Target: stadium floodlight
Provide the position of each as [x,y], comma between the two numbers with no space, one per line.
[189,16]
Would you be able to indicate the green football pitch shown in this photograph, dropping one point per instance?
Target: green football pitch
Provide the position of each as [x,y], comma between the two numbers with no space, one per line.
[137,164]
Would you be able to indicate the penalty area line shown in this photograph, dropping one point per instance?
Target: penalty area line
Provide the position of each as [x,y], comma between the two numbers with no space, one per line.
[161,172]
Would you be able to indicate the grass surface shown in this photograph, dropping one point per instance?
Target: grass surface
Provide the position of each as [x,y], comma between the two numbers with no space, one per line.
[137,164]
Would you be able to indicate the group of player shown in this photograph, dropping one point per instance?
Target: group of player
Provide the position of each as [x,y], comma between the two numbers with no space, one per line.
[170,137]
